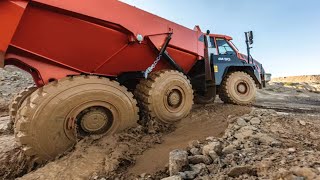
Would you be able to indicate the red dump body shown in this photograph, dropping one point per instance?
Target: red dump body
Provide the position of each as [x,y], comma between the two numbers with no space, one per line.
[52,39]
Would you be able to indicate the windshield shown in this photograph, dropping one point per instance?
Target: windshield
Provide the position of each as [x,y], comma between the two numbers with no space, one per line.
[234,45]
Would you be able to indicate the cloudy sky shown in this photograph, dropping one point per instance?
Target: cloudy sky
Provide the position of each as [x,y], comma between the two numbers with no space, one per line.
[287,32]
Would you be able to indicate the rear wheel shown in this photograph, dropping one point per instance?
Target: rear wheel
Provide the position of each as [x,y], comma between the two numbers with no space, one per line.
[53,116]
[18,100]
[166,95]
[238,88]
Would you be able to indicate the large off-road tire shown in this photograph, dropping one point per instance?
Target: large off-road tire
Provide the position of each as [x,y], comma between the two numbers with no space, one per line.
[167,95]
[238,88]
[18,100]
[52,117]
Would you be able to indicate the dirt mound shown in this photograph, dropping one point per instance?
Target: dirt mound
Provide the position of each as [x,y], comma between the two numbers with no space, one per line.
[298,79]
[263,144]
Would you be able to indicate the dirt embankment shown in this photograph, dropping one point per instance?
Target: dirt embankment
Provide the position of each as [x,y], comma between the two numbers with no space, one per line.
[298,79]
[301,83]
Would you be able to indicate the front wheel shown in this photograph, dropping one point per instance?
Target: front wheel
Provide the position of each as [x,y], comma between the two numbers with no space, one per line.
[238,88]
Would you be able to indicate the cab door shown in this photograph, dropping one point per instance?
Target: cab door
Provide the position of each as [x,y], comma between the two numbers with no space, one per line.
[224,57]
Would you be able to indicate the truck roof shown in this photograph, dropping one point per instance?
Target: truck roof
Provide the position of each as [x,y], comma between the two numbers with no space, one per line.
[221,36]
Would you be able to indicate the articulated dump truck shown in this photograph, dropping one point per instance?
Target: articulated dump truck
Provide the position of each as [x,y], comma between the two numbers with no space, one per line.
[97,65]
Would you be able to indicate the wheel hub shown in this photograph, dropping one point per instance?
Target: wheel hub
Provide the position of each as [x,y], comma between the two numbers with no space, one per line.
[174,98]
[94,120]
[242,88]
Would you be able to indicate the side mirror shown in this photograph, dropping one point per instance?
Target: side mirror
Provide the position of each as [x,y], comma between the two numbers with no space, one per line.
[250,37]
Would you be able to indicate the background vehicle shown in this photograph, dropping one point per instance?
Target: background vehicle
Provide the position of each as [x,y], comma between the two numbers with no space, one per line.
[84,58]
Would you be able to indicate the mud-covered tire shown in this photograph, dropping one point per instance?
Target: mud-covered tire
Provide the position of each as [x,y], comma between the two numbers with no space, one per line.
[238,88]
[167,95]
[18,100]
[46,126]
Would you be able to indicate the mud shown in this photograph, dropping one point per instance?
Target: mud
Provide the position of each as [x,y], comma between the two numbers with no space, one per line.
[13,162]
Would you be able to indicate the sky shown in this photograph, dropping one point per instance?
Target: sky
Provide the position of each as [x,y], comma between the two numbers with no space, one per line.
[286,32]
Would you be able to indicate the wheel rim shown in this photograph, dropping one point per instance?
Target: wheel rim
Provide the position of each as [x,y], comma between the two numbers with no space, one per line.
[242,88]
[91,118]
[174,99]
[95,120]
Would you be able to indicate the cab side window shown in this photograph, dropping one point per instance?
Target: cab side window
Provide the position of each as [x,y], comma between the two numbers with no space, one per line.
[224,47]
[212,46]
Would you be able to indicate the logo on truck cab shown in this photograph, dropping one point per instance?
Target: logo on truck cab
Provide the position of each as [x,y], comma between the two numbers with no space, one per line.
[224,59]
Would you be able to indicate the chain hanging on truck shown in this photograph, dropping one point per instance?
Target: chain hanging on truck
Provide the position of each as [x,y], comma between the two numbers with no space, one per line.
[162,51]
[150,69]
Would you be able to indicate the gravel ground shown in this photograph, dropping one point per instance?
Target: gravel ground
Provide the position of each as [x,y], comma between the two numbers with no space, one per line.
[264,144]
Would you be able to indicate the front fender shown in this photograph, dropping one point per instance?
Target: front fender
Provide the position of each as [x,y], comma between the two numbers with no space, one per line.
[248,68]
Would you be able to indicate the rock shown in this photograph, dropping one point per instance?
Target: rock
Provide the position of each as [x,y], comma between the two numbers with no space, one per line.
[195,170]
[213,155]
[198,168]
[211,139]
[264,139]
[247,117]
[4,123]
[229,149]
[292,150]
[212,146]
[255,121]
[241,122]
[197,159]
[303,123]
[194,144]
[276,143]
[176,177]
[243,134]
[314,136]
[195,151]
[178,159]
[240,170]
[307,173]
